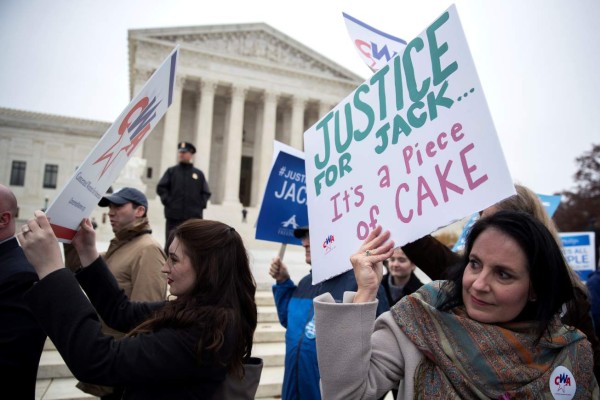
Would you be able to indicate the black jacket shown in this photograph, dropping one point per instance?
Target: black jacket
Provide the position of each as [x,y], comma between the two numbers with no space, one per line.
[411,286]
[21,337]
[184,192]
[431,256]
[157,365]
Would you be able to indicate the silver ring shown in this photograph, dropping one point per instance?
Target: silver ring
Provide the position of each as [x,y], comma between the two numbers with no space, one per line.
[25,229]
[368,253]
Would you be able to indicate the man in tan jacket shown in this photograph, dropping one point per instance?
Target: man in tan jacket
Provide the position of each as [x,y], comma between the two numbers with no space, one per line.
[134,257]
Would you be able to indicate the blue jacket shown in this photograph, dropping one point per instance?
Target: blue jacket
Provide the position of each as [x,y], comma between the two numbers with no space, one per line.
[296,314]
[593,285]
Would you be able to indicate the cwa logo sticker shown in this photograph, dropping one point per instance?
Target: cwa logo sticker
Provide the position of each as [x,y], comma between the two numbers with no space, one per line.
[329,243]
[562,384]
[136,124]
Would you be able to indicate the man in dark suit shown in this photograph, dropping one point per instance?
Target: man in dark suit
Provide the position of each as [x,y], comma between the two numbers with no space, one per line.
[21,338]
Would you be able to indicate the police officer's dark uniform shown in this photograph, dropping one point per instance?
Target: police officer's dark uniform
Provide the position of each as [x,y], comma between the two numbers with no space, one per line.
[183,190]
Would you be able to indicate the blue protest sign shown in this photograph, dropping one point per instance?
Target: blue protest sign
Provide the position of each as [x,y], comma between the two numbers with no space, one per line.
[550,203]
[283,208]
[460,243]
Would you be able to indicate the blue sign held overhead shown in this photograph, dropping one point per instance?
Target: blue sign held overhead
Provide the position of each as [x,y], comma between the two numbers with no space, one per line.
[284,203]
[550,203]
[460,243]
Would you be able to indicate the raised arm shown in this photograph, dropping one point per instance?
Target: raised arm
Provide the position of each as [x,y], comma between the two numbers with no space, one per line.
[431,256]
[368,264]
[40,245]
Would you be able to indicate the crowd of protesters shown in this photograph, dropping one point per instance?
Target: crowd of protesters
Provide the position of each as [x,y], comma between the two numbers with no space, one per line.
[506,318]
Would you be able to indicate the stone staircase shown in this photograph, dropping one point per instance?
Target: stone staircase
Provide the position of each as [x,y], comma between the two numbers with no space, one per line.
[55,381]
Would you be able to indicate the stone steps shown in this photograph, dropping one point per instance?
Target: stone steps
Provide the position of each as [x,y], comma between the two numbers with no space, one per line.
[56,382]
[59,389]
[267,315]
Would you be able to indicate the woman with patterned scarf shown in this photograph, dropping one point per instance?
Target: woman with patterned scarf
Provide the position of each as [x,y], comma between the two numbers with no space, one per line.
[492,331]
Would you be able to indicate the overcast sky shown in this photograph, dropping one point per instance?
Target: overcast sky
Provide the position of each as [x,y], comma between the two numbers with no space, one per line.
[537,60]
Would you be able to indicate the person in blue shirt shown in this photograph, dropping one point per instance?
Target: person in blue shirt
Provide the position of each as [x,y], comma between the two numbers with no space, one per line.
[593,285]
[296,314]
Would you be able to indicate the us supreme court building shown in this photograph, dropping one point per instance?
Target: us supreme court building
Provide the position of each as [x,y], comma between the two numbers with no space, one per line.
[238,88]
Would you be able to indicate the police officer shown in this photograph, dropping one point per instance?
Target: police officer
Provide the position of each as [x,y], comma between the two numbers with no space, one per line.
[183,190]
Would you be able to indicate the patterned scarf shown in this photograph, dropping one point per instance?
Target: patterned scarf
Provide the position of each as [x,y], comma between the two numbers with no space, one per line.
[466,359]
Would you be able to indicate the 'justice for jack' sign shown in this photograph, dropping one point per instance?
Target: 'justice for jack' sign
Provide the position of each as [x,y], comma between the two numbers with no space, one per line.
[412,149]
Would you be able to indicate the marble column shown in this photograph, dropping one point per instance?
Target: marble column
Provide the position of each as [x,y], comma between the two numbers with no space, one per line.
[204,123]
[286,123]
[232,147]
[324,108]
[171,132]
[255,189]
[263,147]
[297,124]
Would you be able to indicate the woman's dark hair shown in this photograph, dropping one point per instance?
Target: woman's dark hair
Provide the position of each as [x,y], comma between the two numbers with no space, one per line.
[222,303]
[527,201]
[548,270]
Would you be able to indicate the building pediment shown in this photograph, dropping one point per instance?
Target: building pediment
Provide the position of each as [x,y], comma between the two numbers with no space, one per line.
[258,43]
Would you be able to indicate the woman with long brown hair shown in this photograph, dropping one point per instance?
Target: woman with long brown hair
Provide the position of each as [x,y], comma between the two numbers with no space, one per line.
[181,349]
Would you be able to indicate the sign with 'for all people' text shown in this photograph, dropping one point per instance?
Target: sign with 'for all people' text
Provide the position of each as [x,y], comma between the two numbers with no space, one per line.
[412,149]
[579,250]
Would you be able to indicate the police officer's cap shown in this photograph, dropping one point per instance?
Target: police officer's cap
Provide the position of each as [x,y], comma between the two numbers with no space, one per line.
[186,146]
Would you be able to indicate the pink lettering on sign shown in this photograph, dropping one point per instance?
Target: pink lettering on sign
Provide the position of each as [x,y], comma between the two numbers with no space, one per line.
[362,228]
[351,198]
[469,169]
[428,194]
[431,148]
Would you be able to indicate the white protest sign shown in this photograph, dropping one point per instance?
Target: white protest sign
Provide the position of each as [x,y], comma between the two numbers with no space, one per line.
[578,249]
[412,149]
[279,147]
[103,164]
[376,48]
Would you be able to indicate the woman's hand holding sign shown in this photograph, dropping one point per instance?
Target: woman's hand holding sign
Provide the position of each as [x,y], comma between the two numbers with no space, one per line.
[368,264]
[85,242]
[40,245]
